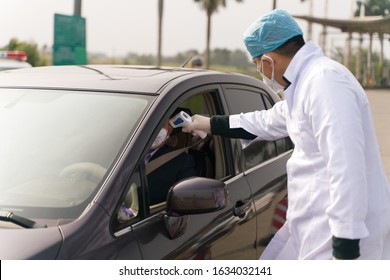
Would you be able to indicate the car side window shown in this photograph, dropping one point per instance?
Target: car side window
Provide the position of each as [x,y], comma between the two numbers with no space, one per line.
[242,100]
[197,157]
[191,155]
[128,211]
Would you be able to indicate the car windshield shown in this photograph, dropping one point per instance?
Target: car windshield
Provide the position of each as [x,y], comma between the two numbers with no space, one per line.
[56,146]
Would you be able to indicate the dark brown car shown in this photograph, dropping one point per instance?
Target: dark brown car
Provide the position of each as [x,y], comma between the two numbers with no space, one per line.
[72,151]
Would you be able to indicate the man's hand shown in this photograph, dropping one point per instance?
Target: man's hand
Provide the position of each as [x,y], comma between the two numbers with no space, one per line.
[198,123]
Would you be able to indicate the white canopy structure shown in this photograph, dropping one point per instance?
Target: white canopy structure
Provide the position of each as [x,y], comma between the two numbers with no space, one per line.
[361,25]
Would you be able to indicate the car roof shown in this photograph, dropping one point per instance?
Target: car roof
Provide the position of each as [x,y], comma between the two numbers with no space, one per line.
[140,79]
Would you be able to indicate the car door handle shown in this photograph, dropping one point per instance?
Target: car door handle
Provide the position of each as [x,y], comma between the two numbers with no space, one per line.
[241,209]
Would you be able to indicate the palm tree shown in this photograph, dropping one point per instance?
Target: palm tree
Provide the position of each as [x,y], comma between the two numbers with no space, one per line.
[160,16]
[210,6]
[374,7]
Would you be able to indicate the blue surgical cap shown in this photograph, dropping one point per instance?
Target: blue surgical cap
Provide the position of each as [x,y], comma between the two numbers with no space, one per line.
[270,32]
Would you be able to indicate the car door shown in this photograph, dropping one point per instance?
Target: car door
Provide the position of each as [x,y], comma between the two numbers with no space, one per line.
[264,165]
[229,233]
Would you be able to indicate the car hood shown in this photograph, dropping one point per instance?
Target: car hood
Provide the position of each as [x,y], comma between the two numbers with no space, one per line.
[19,244]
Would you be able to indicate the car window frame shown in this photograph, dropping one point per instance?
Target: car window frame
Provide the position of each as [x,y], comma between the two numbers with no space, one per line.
[216,105]
[227,88]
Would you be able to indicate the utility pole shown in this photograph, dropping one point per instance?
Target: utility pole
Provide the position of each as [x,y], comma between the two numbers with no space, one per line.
[310,25]
[77,8]
[160,17]
[324,29]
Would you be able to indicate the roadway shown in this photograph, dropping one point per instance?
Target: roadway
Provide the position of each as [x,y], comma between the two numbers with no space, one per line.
[380,106]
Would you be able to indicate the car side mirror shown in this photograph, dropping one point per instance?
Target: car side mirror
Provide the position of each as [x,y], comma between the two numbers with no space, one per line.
[196,195]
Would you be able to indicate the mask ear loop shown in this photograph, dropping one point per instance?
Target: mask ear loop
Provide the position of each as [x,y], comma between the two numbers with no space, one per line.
[272,65]
[262,66]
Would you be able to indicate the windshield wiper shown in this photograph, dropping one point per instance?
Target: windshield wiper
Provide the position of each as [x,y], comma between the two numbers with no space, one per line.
[19,220]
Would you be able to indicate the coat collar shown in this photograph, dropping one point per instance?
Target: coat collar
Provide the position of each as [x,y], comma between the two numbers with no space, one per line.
[297,67]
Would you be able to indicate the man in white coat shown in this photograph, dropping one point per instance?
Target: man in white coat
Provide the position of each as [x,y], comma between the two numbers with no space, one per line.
[338,194]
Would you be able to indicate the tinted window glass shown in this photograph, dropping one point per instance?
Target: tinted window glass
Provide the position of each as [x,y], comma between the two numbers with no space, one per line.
[247,100]
[243,100]
[180,156]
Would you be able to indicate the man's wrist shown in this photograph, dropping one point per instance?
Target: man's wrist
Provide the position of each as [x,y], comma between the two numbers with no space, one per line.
[345,249]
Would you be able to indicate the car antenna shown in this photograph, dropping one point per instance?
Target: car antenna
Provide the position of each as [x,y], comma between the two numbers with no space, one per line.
[185,63]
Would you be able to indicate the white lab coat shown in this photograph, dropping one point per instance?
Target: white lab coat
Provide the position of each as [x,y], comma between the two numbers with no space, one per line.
[336,182]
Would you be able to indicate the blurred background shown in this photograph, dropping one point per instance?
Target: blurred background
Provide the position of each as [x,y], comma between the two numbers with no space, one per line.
[203,33]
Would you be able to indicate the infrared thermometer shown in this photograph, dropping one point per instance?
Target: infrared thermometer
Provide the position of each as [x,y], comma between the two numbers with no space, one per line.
[182,119]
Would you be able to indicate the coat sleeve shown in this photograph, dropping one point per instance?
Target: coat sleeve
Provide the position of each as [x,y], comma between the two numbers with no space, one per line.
[266,124]
[220,126]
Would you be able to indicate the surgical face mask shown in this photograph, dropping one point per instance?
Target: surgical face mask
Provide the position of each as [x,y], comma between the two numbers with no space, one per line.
[271,83]
[161,137]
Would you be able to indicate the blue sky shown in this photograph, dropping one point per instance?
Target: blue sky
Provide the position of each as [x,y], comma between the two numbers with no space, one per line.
[117,27]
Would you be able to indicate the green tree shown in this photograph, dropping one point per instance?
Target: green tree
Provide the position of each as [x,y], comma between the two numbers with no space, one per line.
[210,6]
[144,60]
[338,55]
[240,59]
[220,56]
[30,48]
[374,7]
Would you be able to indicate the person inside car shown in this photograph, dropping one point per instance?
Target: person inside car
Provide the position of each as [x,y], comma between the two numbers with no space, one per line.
[163,172]
[179,167]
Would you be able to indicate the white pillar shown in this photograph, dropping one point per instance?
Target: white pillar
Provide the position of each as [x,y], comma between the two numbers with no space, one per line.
[370,78]
[381,58]
[324,29]
[347,51]
[358,64]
